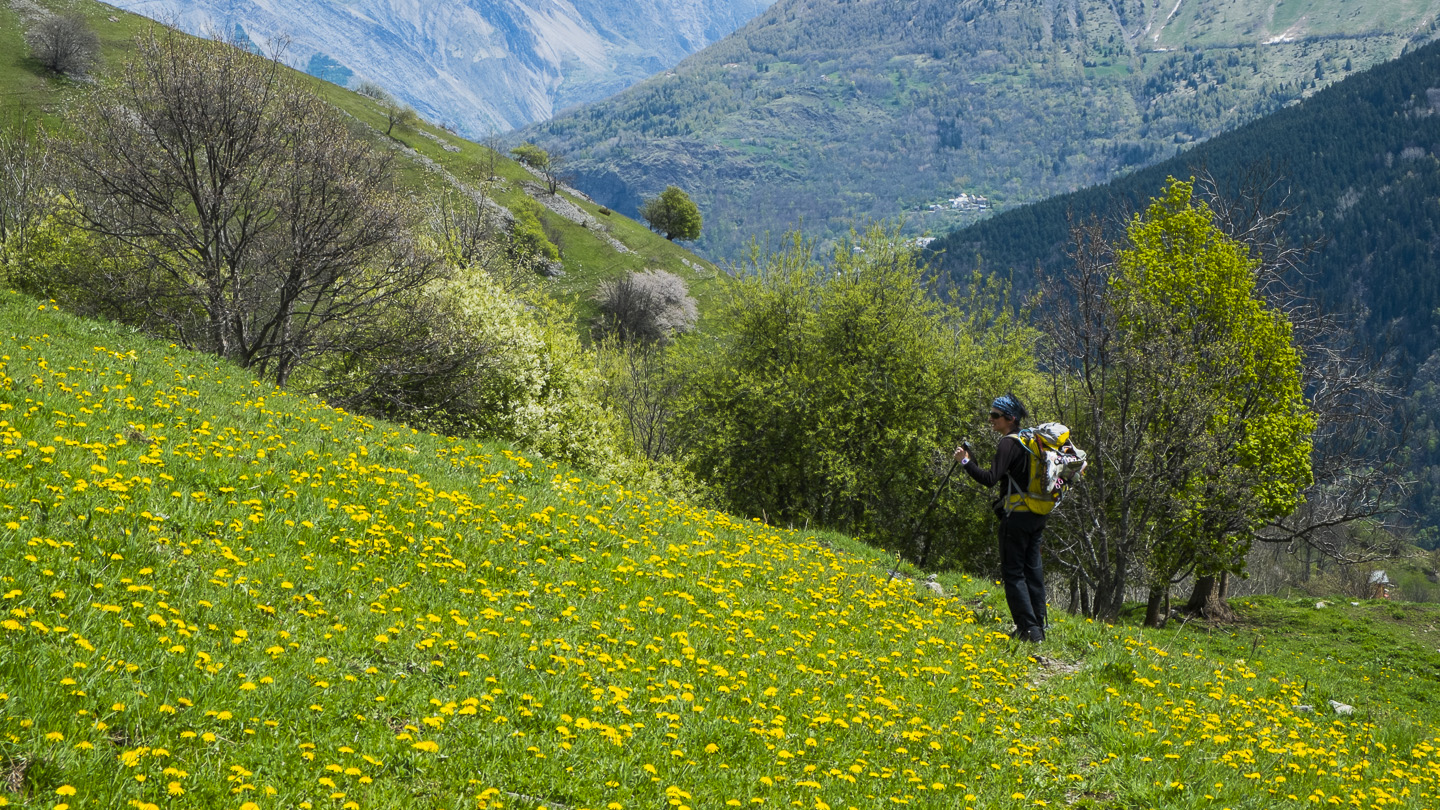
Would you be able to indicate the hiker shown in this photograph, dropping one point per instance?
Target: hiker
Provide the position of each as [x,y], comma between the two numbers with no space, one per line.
[1020,528]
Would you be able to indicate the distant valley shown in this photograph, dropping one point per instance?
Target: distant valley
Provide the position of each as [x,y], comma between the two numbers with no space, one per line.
[826,112]
[477,67]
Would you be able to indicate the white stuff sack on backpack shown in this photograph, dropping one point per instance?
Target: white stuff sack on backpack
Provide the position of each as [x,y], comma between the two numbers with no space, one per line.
[1062,464]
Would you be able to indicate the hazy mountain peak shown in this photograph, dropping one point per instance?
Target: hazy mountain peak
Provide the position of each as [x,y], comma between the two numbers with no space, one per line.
[477,66]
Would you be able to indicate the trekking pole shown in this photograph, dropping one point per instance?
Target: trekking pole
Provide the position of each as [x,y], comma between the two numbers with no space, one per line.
[925,554]
[893,569]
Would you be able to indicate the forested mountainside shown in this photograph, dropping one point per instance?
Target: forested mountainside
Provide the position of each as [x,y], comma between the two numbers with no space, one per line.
[477,67]
[823,111]
[1359,163]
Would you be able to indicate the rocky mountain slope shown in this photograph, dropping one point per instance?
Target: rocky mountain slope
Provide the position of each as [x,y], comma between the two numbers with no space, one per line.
[825,111]
[478,67]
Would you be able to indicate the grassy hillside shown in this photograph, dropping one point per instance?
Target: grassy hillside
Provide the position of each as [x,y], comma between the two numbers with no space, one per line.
[432,161]
[824,112]
[221,595]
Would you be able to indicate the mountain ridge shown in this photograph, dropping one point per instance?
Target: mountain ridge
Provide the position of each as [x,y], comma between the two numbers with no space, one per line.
[830,112]
[479,68]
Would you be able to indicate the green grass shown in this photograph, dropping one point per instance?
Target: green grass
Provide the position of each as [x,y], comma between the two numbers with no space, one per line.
[218,593]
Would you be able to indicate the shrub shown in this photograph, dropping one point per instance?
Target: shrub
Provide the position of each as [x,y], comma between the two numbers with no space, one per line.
[529,244]
[536,386]
[646,306]
[834,392]
[65,45]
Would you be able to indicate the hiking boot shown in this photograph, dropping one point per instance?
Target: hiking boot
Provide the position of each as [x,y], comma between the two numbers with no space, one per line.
[1035,635]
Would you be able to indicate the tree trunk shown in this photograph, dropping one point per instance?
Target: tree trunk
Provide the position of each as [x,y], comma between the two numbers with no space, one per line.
[1155,614]
[1208,599]
[1109,597]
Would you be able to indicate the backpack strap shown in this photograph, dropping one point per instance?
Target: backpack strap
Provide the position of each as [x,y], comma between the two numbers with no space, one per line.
[1013,487]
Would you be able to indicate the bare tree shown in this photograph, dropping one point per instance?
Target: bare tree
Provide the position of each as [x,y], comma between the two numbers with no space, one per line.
[65,45]
[490,158]
[643,389]
[24,167]
[397,113]
[256,226]
[473,234]
[1115,397]
[555,171]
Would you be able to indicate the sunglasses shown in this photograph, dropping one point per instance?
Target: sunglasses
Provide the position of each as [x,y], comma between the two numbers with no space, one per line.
[997,416]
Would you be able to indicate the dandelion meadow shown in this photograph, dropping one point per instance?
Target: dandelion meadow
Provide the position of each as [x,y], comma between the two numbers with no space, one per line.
[217,594]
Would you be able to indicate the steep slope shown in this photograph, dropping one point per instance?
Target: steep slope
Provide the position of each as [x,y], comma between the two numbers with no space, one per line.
[595,244]
[221,595]
[826,111]
[477,67]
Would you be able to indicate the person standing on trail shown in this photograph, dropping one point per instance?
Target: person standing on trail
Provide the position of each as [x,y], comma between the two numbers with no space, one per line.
[1020,528]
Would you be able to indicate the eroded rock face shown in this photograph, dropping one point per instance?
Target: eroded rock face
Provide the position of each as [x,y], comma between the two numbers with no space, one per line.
[478,66]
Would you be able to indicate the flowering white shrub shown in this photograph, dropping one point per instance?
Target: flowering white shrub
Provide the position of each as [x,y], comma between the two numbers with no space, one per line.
[651,306]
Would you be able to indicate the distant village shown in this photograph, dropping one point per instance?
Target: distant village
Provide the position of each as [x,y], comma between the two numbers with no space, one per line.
[964,202]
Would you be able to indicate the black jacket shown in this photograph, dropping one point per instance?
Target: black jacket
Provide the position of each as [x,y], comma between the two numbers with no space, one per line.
[1011,464]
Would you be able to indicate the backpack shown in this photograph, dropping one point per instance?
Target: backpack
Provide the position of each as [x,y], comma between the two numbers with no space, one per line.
[1056,464]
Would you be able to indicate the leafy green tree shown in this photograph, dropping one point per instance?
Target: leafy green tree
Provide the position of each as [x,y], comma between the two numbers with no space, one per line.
[836,391]
[1188,386]
[673,214]
[531,155]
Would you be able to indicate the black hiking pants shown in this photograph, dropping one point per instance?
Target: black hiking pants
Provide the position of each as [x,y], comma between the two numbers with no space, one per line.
[1022,573]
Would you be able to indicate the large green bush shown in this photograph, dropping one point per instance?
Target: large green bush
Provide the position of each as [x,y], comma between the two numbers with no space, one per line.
[836,392]
[535,384]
